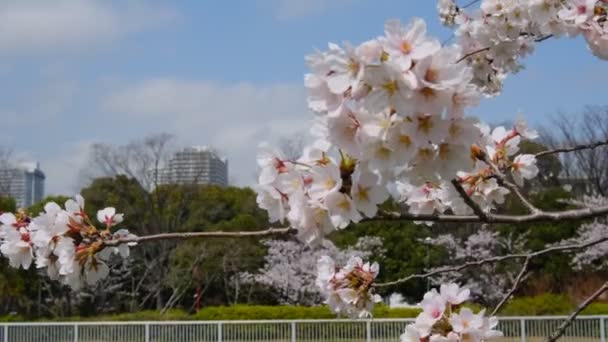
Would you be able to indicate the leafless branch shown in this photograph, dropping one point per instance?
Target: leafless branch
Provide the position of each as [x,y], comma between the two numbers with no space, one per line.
[473,53]
[470,3]
[541,216]
[590,146]
[518,280]
[565,324]
[196,235]
[495,259]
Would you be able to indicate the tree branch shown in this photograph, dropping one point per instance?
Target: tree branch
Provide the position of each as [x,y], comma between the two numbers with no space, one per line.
[589,146]
[493,260]
[518,280]
[470,3]
[537,40]
[196,235]
[562,328]
[468,200]
[502,179]
[541,216]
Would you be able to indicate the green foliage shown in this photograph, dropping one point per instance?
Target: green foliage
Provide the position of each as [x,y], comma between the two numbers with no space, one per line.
[405,252]
[253,312]
[126,195]
[38,208]
[144,315]
[550,305]
[248,312]
[596,309]
[7,204]
[545,304]
[11,318]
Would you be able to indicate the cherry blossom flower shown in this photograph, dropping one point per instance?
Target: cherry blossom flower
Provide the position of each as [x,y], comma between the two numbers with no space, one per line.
[578,11]
[408,44]
[273,201]
[367,193]
[326,179]
[442,320]
[348,290]
[387,89]
[453,294]
[271,163]
[17,247]
[109,217]
[524,167]
[345,68]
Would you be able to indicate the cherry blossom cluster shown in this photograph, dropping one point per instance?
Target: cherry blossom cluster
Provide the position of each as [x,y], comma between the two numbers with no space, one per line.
[389,121]
[290,270]
[390,113]
[64,241]
[443,319]
[500,32]
[349,290]
[498,154]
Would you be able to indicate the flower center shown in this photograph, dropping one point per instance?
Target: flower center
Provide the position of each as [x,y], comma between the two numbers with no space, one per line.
[391,87]
[406,47]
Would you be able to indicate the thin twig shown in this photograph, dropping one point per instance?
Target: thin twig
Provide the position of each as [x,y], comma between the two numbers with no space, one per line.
[590,146]
[495,259]
[512,187]
[468,200]
[518,280]
[472,54]
[537,40]
[215,234]
[565,324]
[470,3]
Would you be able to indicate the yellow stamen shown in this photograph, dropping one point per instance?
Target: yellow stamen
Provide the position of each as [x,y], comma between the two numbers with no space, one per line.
[391,87]
[406,48]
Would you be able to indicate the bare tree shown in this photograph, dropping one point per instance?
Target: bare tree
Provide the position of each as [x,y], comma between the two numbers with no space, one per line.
[142,160]
[584,167]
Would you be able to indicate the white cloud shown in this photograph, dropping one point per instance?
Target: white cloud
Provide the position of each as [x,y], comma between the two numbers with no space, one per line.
[62,169]
[233,118]
[288,9]
[35,26]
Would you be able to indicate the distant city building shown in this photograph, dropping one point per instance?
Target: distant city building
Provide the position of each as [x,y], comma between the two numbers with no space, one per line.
[24,182]
[195,165]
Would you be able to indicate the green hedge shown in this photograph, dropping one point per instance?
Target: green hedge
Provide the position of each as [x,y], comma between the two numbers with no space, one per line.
[248,312]
[547,304]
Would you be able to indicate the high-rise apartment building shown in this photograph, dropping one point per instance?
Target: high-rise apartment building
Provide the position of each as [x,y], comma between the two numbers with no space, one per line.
[24,182]
[195,165]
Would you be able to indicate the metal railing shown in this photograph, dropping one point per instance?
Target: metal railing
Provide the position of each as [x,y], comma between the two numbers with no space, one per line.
[525,329]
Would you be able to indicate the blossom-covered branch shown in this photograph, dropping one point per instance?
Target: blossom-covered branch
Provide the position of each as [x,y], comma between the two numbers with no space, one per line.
[74,249]
[390,121]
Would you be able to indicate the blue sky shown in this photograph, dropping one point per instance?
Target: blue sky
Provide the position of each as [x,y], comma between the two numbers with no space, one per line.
[223,73]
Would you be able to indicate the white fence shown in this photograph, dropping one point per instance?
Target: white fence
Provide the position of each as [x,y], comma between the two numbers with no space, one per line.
[526,329]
